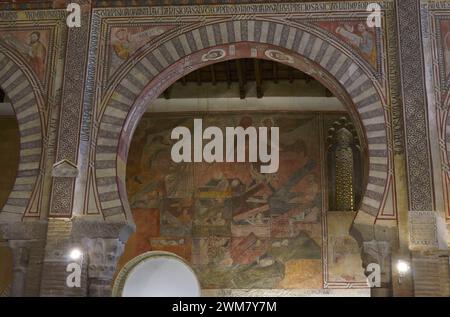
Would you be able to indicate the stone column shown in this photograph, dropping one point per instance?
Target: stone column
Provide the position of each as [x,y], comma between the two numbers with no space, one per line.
[103,255]
[57,259]
[100,243]
[20,252]
[26,241]
[103,244]
[379,252]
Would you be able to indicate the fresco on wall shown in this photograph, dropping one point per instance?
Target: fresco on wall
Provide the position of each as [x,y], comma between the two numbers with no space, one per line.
[237,227]
[358,35]
[125,41]
[32,45]
[445,35]
[344,255]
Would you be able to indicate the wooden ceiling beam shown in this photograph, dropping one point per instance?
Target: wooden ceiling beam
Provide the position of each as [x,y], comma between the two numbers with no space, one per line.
[242,71]
[167,93]
[228,73]
[241,79]
[258,79]
[275,72]
[291,75]
[199,77]
[213,75]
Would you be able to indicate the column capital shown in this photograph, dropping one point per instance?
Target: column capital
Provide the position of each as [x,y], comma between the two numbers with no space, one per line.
[103,255]
[30,230]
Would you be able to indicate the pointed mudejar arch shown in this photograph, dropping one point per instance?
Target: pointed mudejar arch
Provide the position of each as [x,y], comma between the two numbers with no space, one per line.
[21,87]
[319,57]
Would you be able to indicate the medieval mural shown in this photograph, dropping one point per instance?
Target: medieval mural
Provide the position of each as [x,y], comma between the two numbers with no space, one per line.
[445,33]
[357,35]
[125,41]
[239,229]
[32,45]
[440,54]
[203,218]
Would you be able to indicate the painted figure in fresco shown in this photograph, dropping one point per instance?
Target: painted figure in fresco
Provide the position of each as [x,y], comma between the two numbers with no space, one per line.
[36,53]
[154,191]
[122,44]
[124,41]
[176,217]
[361,37]
[347,31]
[366,44]
[127,42]
[447,53]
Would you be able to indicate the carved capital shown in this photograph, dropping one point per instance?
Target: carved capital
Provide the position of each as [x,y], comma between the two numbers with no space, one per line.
[33,230]
[20,253]
[378,252]
[103,255]
[83,227]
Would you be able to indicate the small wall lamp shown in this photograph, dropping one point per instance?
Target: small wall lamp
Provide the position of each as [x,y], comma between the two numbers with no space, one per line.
[403,268]
[75,254]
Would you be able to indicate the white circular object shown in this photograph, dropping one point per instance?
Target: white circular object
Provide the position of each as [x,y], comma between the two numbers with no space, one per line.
[157,275]
[75,254]
[402,267]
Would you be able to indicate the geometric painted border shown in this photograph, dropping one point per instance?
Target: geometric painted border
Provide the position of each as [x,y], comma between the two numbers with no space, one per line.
[143,81]
[440,94]
[414,98]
